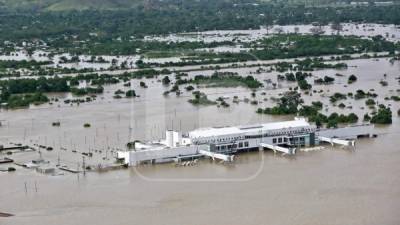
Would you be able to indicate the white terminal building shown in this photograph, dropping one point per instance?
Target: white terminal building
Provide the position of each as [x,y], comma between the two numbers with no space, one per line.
[223,142]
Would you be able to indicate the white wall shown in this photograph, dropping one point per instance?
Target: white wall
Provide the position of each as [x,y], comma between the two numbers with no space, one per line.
[347,132]
[136,157]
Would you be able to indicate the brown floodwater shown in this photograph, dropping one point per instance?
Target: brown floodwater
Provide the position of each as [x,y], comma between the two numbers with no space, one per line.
[330,186]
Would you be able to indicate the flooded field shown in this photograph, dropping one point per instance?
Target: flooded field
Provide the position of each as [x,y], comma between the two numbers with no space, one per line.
[238,37]
[85,61]
[391,32]
[331,186]
[114,122]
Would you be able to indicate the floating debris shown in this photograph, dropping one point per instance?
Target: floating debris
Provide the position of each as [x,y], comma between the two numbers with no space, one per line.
[316,148]
[9,169]
[66,168]
[5,214]
[56,124]
[6,160]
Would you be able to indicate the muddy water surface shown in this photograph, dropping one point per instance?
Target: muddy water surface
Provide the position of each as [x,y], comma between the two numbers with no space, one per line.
[331,186]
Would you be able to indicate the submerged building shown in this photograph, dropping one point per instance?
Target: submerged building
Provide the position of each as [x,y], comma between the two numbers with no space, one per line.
[296,133]
[224,142]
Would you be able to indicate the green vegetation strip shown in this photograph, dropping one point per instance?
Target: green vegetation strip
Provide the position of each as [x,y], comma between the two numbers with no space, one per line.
[291,103]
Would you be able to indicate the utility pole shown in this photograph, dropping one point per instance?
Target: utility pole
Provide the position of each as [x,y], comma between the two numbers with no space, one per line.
[83,165]
[24,133]
[78,171]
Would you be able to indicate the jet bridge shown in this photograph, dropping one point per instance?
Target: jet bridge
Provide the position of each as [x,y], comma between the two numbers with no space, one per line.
[213,155]
[338,141]
[289,151]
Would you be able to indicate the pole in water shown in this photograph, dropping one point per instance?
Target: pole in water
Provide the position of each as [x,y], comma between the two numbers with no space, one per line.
[24,133]
[26,188]
[78,172]
[35,187]
[83,165]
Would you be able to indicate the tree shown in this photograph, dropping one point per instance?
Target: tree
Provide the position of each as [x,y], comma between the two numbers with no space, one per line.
[142,84]
[352,118]
[370,102]
[317,30]
[336,26]
[304,85]
[332,124]
[140,64]
[189,88]
[166,80]
[287,104]
[384,116]
[328,79]
[130,93]
[352,78]
[366,117]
